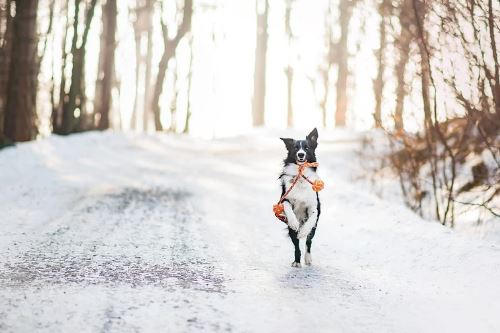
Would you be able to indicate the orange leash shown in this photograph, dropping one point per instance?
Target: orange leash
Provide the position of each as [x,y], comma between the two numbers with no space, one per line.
[317,186]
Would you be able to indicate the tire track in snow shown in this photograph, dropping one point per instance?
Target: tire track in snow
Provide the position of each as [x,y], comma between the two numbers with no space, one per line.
[125,240]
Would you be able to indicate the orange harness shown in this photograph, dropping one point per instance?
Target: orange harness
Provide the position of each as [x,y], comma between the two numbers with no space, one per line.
[317,186]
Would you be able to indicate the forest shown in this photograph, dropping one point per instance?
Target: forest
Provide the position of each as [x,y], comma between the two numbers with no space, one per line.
[426,73]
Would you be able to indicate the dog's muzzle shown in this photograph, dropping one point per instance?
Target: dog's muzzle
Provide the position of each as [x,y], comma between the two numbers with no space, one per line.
[301,157]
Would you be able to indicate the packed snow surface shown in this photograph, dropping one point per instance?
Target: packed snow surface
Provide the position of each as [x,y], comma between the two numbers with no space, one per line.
[125,233]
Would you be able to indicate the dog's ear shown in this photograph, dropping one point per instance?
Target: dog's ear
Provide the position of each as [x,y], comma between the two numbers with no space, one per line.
[312,137]
[288,143]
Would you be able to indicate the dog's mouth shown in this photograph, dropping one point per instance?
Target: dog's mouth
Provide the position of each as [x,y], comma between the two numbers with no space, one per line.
[301,160]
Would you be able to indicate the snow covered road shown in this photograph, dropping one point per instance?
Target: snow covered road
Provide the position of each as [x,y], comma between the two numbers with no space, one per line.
[124,233]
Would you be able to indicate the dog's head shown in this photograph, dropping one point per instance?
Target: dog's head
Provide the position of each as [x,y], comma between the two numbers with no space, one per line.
[300,151]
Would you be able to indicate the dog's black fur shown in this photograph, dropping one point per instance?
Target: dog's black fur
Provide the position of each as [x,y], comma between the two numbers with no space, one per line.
[296,149]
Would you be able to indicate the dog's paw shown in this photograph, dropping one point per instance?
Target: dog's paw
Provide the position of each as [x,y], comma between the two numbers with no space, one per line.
[308,259]
[296,264]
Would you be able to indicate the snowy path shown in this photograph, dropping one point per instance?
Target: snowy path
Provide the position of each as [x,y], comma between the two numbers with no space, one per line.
[115,233]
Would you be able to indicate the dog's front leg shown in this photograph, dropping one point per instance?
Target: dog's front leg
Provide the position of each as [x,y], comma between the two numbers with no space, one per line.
[307,227]
[293,223]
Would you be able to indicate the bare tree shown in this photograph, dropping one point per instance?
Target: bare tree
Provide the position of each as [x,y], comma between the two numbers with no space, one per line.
[169,48]
[420,11]
[289,67]
[493,30]
[5,50]
[323,77]
[345,13]
[173,101]
[445,143]
[143,29]
[20,112]
[402,43]
[138,61]
[259,90]
[330,61]
[57,109]
[149,58]
[188,93]
[378,84]
[73,102]
[105,74]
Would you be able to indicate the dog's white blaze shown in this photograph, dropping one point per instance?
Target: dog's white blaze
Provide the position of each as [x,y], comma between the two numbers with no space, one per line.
[301,151]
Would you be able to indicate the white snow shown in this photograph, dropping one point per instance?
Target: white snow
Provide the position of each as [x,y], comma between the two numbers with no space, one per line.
[122,232]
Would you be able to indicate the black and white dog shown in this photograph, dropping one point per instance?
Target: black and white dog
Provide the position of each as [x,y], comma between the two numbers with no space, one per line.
[302,205]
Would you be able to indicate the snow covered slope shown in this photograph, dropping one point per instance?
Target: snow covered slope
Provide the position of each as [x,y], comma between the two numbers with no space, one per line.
[124,233]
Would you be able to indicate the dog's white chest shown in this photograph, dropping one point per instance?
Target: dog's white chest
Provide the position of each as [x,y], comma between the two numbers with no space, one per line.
[302,191]
[302,196]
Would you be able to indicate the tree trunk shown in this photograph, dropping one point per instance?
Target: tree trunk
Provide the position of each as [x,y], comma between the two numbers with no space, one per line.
[259,90]
[403,45]
[149,57]
[425,83]
[162,70]
[330,61]
[173,103]
[74,101]
[135,114]
[143,29]
[289,87]
[325,78]
[105,77]
[425,79]
[20,115]
[170,46]
[492,35]
[5,50]
[188,93]
[289,68]
[378,84]
[345,12]
[67,105]
[56,117]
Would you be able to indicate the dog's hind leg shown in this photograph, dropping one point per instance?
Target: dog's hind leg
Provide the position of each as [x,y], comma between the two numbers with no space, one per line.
[293,236]
[307,256]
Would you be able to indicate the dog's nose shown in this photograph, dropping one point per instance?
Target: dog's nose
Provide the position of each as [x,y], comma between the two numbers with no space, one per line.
[301,155]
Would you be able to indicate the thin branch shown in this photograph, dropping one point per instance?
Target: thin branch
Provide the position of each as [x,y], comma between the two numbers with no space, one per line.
[88,20]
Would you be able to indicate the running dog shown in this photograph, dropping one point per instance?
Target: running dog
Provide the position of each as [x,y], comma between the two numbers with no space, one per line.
[301,205]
